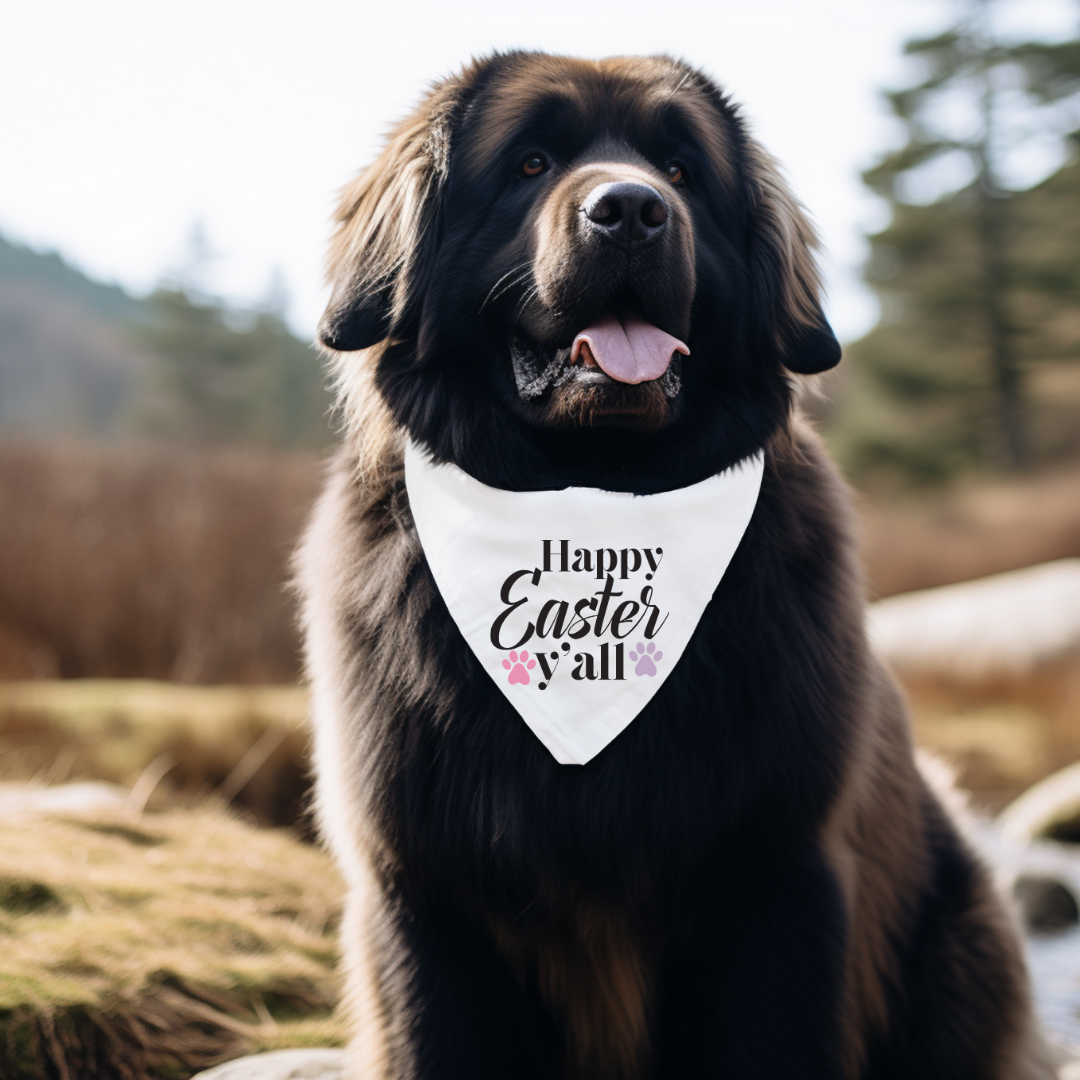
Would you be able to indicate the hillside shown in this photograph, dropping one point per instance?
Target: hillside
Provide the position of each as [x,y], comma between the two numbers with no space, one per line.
[68,359]
[83,359]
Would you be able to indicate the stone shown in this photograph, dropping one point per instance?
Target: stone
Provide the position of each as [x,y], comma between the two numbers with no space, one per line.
[1007,623]
[1048,810]
[1046,904]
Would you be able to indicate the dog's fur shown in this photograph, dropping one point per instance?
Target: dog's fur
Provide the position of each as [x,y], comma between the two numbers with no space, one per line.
[753,879]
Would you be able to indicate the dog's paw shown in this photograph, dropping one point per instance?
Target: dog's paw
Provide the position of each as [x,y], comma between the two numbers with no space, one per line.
[643,656]
[519,665]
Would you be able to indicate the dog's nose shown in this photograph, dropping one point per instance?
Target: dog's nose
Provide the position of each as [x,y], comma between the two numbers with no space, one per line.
[627,211]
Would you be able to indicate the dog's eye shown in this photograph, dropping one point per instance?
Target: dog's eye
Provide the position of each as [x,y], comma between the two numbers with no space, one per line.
[534,165]
[676,173]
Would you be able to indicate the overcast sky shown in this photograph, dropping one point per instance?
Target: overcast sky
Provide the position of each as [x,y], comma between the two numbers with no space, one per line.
[123,122]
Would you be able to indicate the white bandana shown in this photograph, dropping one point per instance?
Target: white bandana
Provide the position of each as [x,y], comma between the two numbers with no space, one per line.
[579,602]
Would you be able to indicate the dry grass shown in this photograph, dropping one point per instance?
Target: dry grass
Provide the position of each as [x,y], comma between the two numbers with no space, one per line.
[1002,732]
[149,564]
[970,531]
[992,670]
[161,565]
[164,565]
[248,745]
[152,947]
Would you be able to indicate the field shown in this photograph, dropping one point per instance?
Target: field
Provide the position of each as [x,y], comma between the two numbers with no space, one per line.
[243,745]
[146,946]
[149,564]
[121,564]
[148,640]
[921,540]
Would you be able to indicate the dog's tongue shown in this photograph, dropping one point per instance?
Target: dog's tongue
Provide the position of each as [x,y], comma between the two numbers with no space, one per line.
[628,348]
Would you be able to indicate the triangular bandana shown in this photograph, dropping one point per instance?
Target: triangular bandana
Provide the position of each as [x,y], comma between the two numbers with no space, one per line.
[578,602]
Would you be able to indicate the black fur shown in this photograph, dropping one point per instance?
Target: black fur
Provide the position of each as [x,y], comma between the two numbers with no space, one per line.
[755,860]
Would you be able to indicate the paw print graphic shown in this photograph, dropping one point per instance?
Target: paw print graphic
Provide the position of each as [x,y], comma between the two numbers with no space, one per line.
[517,665]
[643,656]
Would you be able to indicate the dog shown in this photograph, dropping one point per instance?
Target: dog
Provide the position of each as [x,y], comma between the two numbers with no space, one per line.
[753,879]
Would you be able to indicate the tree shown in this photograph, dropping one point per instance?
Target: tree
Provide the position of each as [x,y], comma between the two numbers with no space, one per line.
[214,383]
[964,270]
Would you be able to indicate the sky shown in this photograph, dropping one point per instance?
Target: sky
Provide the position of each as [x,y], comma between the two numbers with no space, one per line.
[123,123]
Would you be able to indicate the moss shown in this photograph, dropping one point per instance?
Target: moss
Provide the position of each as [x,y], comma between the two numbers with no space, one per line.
[150,961]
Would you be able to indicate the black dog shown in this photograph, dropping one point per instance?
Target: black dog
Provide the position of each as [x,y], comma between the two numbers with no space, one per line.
[753,879]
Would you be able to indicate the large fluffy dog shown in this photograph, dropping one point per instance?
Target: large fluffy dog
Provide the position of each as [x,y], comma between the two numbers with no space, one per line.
[752,880]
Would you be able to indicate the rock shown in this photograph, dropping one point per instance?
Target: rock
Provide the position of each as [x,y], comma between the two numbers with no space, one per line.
[1049,809]
[1005,623]
[1045,903]
[991,670]
[282,1065]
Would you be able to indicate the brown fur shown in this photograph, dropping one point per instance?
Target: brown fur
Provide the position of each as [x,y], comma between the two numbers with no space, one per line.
[382,214]
[593,969]
[412,756]
[594,975]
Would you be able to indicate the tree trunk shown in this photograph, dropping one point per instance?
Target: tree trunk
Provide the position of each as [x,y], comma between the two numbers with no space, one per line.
[992,213]
[1008,390]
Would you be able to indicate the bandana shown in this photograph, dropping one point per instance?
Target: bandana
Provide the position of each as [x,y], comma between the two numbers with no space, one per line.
[577,602]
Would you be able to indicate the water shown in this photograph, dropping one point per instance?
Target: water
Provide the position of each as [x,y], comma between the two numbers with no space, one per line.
[1054,961]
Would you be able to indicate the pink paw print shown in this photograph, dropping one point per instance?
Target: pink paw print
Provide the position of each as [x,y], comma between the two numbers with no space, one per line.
[517,664]
[644,655]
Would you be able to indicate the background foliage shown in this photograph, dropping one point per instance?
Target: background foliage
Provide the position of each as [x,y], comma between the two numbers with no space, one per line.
[79,358]
[975,364]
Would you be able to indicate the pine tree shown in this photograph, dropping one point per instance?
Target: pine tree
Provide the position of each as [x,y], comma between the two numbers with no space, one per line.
[970,268]
[227,377]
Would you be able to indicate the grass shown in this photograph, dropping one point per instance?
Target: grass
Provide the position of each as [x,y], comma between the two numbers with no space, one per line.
[997,751]
[149,947]
[246,743]
[1002,731]
[152,947]
[149,563]
[971,529]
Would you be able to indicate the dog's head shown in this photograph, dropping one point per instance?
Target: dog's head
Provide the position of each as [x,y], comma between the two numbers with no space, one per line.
[578,272]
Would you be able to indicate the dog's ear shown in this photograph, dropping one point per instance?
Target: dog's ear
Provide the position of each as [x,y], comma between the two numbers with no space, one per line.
[383,220]
[786,315]
[811,347]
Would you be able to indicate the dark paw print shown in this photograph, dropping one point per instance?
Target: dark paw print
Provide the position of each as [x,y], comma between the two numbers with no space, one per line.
[517,665]
[644,656]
